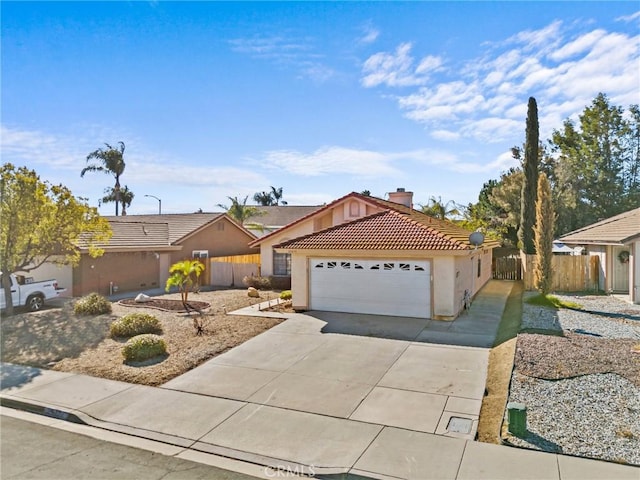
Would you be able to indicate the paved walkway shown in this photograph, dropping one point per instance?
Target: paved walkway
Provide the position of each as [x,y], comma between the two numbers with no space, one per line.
[322,393]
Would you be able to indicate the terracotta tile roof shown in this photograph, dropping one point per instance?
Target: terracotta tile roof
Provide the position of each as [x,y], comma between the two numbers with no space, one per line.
[393,229]
[179,224]
[619,229]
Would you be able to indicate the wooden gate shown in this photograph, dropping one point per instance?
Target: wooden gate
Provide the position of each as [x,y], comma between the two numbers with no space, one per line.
[507,264]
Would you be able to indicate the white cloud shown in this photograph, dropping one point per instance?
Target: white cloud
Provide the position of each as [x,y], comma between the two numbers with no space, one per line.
[563,66]
[446,135]
[331,160]
[297,53]
[397,69]
[629,18]
[370,34]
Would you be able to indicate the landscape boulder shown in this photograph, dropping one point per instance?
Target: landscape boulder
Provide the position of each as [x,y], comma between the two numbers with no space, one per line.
[253,292]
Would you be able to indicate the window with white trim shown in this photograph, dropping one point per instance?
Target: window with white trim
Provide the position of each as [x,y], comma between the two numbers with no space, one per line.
[200,254]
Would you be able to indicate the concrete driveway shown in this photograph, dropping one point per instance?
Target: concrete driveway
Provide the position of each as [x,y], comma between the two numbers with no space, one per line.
[339,380]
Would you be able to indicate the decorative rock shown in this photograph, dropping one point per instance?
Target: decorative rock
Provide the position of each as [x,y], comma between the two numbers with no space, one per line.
[252,292]
[142,298]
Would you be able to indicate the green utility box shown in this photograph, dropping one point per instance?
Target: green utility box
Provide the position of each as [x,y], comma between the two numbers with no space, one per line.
[517,416]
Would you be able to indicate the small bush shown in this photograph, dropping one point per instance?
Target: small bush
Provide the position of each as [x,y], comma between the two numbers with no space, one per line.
[286,295]
[92,304]
[259,283]
[135,324]
[144,347]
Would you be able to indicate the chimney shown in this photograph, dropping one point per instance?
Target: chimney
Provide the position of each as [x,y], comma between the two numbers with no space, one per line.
[402,197]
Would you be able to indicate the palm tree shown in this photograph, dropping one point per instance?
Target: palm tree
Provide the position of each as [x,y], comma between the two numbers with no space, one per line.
[110,160]
[241,211]
[264,198]
[276,193]
[437,209]
[126,197]
[184,275]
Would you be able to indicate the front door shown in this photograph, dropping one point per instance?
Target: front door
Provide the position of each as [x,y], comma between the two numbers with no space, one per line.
[620,270]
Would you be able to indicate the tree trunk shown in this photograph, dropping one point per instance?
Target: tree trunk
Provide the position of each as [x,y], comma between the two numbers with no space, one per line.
[6,287]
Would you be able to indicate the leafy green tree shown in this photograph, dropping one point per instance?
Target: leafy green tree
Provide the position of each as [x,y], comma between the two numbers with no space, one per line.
[596,166]
[126,197]
[43,222]
[505,197]
[109,160]
[184,275]
[438,209]
[530,180]
[543,238]
[240,211]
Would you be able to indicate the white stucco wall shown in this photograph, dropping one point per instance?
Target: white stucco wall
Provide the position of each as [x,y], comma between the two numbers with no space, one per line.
[62,273]
[444,287]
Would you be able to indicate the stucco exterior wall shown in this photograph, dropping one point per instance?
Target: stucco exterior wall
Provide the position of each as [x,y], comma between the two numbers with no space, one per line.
[443,277]
[50,271]
[220,239]
[128,271]
[348,210]
[266,248]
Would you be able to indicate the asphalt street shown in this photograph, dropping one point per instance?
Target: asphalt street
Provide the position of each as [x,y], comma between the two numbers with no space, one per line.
[31,450]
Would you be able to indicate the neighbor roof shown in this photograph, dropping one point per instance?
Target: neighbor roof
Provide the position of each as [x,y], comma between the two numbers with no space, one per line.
[280,215]
[179,225]
[396,228]
[619,229]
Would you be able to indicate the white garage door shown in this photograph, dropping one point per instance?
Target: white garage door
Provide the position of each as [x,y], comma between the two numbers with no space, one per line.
[399,288]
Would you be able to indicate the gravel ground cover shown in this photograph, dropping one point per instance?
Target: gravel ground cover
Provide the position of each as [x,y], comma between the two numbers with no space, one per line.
[581,389]
[55,338]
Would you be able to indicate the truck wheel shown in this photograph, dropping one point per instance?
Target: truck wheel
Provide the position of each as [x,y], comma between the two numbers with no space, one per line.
[35,303]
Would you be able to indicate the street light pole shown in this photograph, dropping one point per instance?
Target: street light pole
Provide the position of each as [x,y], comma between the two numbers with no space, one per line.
[159,203]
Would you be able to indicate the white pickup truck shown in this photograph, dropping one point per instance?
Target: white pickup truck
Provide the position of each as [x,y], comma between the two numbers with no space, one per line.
[27,293]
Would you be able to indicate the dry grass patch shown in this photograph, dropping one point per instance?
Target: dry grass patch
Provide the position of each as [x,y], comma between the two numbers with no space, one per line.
[58,339]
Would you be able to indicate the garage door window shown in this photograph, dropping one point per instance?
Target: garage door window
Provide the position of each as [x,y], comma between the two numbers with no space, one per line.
[282,264]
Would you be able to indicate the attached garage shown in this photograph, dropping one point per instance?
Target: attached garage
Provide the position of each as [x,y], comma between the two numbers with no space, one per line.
[380,287]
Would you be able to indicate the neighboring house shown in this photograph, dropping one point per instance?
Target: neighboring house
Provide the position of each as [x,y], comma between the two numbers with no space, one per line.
[274,217]
[616,241]
[560,248]
[363,254]
[143,247]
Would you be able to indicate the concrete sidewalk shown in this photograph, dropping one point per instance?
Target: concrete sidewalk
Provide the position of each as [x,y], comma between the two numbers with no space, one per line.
[286,400]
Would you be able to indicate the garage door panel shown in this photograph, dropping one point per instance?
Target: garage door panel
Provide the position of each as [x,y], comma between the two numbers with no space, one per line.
[385,287]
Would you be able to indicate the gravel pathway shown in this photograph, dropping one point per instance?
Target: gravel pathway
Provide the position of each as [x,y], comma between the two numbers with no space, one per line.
[585,412]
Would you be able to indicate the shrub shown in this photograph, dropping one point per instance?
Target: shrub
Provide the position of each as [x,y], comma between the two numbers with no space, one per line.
[286,295]
[92,304]
[135,324]
[259,283]
[144,347]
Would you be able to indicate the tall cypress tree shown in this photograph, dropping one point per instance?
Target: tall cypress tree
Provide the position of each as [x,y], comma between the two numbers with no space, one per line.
[530,183]
[545,219]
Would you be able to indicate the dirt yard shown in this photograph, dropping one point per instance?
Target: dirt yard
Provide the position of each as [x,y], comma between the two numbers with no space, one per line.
[57,339]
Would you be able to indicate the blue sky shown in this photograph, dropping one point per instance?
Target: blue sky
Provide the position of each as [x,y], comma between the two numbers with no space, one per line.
[226,99]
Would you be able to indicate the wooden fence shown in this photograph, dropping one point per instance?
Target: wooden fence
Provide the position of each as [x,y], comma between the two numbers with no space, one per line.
[507,268]
[230,270]
[571,273]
